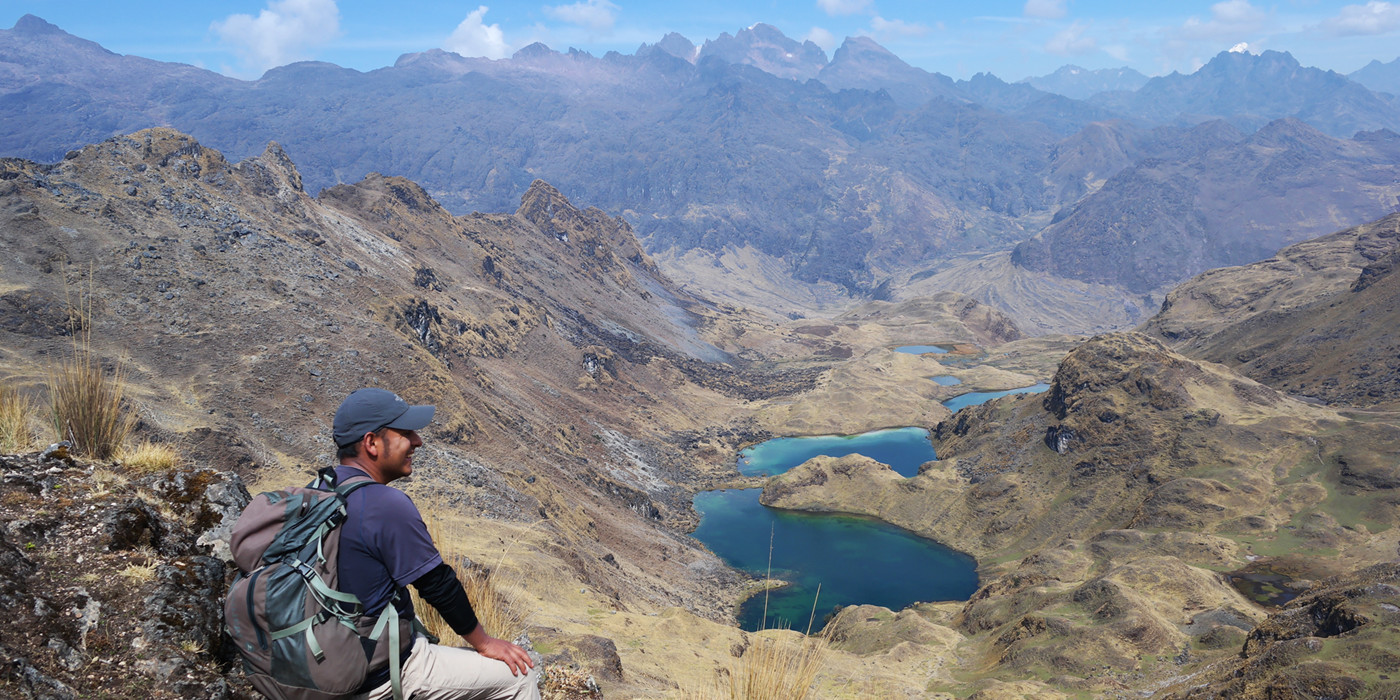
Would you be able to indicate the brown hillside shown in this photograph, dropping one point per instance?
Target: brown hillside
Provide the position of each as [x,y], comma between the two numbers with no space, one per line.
[1319,319]
[582,397]
[1103,511]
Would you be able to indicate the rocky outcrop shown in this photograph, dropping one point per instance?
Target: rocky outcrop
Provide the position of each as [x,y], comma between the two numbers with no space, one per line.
[1335,641]
[113,583]
[1129,434]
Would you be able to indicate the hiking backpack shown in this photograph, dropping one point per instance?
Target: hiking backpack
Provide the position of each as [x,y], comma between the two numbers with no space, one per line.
[300,637]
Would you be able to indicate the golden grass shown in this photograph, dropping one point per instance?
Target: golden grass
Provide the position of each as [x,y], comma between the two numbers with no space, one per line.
[149,458]
[16,412]
[772,668]
[104,481]
[86,404]
[138,574]
[498,603]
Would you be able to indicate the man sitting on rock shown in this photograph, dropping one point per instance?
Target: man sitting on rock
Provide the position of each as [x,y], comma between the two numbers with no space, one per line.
[385,547]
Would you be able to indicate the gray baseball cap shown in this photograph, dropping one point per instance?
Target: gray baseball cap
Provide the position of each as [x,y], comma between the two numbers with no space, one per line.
[368,410]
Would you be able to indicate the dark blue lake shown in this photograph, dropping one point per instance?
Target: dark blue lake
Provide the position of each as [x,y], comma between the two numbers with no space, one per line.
[921,349]
[977,397]
[904,449]
[855,560]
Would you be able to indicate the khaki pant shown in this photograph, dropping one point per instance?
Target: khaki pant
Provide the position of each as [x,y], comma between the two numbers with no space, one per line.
[435,672]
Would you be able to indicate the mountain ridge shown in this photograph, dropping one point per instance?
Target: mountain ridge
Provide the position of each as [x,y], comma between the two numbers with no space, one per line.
[895,173]
[1158,222]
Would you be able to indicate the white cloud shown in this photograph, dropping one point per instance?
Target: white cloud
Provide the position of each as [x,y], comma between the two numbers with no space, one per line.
[598,15]
[1190,44]
[822,38]
[843,7]
[1375,17]
[1071,41]
[1119,52]
[473,37]
[286,31]
[1046,9]
[894,28]
[1228,19]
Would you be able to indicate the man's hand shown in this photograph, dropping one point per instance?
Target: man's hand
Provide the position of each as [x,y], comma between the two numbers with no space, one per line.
[501,650]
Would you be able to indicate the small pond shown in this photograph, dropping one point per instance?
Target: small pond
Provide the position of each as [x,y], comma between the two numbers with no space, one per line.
[978,397]
[1265,586]
[855,560]
[946,380]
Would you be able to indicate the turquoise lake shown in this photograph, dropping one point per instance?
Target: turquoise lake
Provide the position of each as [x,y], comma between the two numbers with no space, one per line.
[921,349]
[904,449]
[977,397]
[855,560]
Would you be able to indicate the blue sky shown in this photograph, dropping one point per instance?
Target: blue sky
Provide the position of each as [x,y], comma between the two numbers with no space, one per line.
[1011,39]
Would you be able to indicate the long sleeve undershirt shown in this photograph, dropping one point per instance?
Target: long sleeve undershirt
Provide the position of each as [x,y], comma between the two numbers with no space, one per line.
[444,592]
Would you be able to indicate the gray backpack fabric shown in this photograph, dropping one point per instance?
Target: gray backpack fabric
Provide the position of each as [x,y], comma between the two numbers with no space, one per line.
[300,637]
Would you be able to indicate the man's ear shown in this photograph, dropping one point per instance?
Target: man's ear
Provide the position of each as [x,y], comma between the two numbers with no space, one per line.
[370,445]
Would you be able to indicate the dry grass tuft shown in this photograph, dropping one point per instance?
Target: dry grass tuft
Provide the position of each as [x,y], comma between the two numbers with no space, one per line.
[149,458]
[498,603]
[87,404]
[772,668]
[138,574]
[104,481]
[16,413]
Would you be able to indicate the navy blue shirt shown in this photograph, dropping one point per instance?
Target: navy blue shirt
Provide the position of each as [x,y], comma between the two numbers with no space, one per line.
[384,545]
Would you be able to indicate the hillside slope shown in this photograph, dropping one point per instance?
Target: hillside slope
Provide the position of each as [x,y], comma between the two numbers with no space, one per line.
[1318,319]
[243,310]
[1105,511]
[583,398]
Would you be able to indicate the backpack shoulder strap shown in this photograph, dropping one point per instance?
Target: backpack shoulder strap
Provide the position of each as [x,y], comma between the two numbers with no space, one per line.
[352,485]
[327,480]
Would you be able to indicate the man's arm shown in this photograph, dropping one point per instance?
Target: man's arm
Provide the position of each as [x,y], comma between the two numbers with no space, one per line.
[444,592]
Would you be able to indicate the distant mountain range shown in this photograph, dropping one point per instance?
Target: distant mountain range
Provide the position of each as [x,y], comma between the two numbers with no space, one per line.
[1081,84]
[1250,91]
[1381,77]
[1232,202]
[841,172]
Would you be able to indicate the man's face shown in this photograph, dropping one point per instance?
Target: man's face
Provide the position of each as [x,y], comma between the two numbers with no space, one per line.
[395,459]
